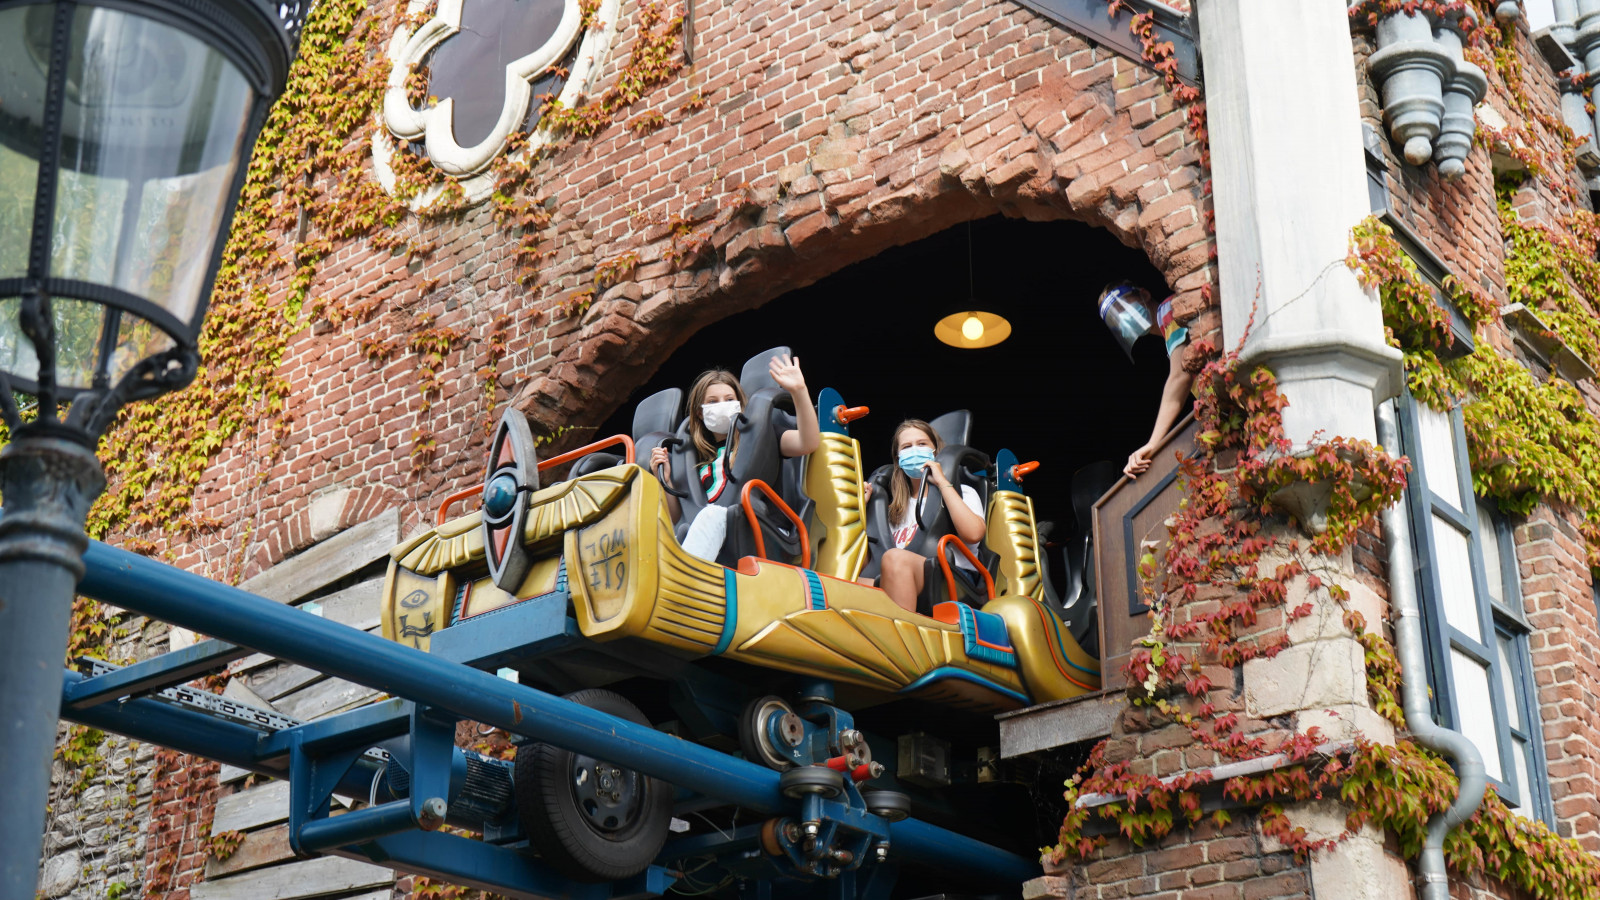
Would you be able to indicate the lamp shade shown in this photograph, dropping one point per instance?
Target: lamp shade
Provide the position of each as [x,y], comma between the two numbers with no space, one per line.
[972,330]
[125,131]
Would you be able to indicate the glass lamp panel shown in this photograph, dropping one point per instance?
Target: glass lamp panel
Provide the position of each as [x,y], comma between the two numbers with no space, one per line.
[16,351]
[22,88]
[1471,681]
[152,126]
[1453,559]
[1438,445]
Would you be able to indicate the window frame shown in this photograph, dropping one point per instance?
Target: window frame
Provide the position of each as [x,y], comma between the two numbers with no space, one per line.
[1424,504]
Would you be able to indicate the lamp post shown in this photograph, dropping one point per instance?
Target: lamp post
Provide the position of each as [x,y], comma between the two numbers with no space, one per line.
[126,127]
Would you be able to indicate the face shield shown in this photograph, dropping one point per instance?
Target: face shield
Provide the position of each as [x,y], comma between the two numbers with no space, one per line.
[1126,311]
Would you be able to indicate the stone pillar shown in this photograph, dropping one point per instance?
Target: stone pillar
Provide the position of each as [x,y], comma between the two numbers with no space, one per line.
[1289,183]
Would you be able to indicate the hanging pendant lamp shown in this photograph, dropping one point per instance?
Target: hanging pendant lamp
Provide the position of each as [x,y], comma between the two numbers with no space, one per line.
[972,328]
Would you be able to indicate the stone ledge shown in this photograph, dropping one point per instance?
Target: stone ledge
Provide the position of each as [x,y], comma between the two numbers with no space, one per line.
[1058,723]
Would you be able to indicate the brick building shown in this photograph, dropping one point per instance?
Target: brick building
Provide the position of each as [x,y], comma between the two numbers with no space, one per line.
[772,159]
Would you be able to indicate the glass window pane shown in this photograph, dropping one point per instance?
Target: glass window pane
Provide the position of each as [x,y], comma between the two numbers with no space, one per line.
[1453,560]
[1489,542]
[1519,757]
[1509,672]
[22,87]
[1476,712]
[1437,442]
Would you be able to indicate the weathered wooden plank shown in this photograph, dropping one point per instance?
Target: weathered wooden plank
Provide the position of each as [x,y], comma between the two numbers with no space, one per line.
[358,606]
[330,695]
[329,560]
[238,690]
[230,774]
[273,681]
[264,804]
[259,848]
[294,881]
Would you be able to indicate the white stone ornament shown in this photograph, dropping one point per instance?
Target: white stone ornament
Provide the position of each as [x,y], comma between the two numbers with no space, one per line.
[434,126]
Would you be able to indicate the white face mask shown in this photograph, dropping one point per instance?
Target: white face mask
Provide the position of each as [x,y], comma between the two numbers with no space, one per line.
[719,416]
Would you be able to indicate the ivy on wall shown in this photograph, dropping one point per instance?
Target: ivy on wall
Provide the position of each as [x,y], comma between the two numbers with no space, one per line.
[1530,442]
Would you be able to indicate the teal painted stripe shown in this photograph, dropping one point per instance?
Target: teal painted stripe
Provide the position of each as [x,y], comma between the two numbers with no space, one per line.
[944,672]
[730,615]
[975,650]
[1055,632]
[819,600]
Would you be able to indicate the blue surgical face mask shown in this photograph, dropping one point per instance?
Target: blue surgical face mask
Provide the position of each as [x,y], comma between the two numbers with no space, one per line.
[912,459]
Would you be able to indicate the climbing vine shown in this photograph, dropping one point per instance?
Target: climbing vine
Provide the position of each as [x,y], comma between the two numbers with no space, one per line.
[1528,441]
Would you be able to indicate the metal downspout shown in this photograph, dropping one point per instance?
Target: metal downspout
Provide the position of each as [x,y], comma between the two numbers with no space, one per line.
[1414,686]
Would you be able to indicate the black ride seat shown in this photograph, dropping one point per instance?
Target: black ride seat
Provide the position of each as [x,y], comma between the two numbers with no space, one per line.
[963,465]
[767,413]
[1080,607]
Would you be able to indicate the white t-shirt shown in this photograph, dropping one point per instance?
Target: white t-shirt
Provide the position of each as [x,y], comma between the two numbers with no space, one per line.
[906,529]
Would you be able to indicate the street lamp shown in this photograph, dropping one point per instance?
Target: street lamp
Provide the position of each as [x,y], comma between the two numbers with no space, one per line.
[126,127]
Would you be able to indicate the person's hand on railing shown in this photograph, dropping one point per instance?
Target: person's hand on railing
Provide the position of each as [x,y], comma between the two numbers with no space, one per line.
[659,459]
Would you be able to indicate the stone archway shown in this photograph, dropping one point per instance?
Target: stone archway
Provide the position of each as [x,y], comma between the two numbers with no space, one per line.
[1088,135]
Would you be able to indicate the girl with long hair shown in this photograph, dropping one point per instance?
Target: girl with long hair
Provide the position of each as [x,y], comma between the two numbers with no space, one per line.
[715,400]
[914,446]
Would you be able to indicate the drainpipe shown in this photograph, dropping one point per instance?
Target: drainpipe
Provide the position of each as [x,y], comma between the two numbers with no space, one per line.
[1414,688]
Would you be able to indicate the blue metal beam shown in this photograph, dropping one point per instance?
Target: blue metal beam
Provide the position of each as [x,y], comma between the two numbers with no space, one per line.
[499,869]
[152,722]
[183,598]
[154,674]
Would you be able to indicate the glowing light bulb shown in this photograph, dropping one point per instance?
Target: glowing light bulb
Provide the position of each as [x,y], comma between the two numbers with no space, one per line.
[972,328]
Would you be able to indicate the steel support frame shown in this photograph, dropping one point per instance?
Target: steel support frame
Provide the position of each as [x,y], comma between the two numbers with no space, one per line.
[325,757]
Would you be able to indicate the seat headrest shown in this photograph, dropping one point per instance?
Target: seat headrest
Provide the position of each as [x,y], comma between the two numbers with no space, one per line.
[1089,484]
[954,427]
[754,376]
[657,412]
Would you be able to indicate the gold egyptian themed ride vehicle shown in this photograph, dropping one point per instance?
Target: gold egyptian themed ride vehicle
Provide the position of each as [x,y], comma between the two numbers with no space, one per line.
[606,538]
[583,587]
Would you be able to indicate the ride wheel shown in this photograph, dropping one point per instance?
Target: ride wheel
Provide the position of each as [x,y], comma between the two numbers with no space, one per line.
[754,734]
[805,780]
[589,819]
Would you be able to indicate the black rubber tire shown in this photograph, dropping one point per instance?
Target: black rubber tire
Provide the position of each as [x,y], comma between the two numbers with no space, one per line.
[802,780]
[559,828]
[891,805]
[750,738]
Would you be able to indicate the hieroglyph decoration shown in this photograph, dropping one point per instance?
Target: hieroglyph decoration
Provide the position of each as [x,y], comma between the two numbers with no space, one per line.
[467,157]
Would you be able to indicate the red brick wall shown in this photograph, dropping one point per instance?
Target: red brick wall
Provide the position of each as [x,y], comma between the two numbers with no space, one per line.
[833,129]
[1201,863]
[1459,223]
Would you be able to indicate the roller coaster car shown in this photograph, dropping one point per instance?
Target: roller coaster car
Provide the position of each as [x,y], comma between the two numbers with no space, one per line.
[583,584]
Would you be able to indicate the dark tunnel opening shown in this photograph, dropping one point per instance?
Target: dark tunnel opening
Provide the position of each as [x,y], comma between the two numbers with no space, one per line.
[1059,390]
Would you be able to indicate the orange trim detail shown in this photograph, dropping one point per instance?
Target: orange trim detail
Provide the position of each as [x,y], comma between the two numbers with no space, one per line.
[1052,636]
[569,456]
[848,414]
[755,525]
[586,449]
[948,613]
[950,577]
[439,518]
[1023,470]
